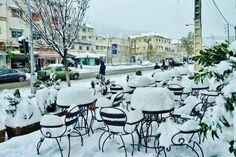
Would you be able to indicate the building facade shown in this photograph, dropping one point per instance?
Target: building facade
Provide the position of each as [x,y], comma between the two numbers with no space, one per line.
[149,46]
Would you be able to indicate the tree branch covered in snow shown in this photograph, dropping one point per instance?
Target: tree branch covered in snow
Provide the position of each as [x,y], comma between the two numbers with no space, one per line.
[219,63]
[57,21]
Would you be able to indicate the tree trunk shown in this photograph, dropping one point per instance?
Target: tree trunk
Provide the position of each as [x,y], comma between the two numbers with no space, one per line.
[66,68]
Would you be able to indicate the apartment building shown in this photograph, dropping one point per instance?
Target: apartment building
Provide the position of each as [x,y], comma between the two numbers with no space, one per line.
[149,46]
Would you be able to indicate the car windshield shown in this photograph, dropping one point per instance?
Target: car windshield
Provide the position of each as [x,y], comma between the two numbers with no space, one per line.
[48,68]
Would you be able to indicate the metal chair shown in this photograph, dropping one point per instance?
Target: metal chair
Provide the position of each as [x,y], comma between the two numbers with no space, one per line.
[115,88]
[116,123]
[55,127]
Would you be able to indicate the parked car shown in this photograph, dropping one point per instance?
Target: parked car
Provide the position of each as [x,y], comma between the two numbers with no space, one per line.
[10,75]
[58,70]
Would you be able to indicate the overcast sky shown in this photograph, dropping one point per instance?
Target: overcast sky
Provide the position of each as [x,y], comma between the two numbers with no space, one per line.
[167,17]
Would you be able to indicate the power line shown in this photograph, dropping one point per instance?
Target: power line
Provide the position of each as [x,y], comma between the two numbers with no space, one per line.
[221,13]
[213,12]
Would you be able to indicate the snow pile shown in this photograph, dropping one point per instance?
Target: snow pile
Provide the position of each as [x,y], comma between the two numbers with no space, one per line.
[189,102]
[167,130]
[152,99]
[162,76]
[45,97]
[139,81]
[183,70]
[27,112]
[203,84]
[232,46]
[2,126]
[222,67]
[174,72]
[75,95]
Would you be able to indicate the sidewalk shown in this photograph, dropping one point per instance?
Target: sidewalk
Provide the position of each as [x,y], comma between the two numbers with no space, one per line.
[87,72]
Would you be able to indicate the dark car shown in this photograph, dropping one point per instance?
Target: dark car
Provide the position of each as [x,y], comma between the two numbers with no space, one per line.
[10,75]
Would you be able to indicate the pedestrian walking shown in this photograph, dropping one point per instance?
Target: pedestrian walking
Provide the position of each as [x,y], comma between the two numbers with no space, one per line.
[156,66]
[102,71]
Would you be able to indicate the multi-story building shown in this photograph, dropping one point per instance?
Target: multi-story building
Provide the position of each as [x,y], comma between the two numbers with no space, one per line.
[149,46]
[177,51]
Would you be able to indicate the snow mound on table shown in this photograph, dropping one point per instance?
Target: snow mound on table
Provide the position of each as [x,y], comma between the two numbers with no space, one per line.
[74,95]
[139,81]
[162,76]
[189,102]
[2,125]
[152,99]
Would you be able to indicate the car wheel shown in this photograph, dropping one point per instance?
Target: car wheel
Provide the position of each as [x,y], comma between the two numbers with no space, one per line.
[21,78]
[76,76]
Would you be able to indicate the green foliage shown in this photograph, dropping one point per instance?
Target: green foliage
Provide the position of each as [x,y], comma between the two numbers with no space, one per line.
[9,56]
[187,43]
[214,55]
[229,104]
[231,148]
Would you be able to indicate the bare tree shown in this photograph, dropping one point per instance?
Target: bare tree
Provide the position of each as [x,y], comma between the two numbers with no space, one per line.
[58,22]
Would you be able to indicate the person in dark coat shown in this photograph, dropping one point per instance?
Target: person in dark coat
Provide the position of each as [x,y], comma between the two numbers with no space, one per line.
[102,71]
[156,66]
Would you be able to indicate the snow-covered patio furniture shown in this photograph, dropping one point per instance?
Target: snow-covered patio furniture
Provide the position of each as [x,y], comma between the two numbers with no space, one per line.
[115,88]
[162,77]
[177,91]
[81,96]
[55,127]
[197,87]
[186,135]
[209,97]
[156,104]
[119,123]
[139,81]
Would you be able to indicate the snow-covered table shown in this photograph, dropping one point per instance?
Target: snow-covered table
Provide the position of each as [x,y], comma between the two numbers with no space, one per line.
[139,81]
[80,96]
[154,103]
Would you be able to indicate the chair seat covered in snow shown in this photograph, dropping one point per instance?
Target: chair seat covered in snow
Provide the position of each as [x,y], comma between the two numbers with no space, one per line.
[55,127]
[119,123]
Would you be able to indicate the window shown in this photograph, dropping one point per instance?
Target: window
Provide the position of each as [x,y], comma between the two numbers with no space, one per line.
[58,69]
[35,17]
[84,29]
[87,47]
[16,13]
[81,47]
[16,34]
[83,37]
[97,47]
[36,36]
[90,37]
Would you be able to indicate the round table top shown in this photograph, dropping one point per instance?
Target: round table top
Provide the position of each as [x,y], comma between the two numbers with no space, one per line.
[152,99]
[80,96]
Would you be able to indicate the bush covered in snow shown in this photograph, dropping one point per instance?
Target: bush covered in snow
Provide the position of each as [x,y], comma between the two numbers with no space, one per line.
[21,111]
[219,63]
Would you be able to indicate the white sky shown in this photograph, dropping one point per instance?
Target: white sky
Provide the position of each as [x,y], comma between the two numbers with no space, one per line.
[164,16]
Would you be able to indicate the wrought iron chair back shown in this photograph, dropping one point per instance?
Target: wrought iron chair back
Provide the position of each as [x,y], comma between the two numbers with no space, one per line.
[115,88]
[118,99]
[115,121]
[62,126]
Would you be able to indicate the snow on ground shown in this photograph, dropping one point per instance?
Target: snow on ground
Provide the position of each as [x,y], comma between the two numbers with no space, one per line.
[26,145]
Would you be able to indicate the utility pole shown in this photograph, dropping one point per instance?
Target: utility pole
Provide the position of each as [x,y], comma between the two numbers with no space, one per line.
[197,30]
[228,32]
[32,64]
[234,32]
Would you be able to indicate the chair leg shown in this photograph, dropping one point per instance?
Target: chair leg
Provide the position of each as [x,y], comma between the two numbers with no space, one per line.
[123,145]
[132,144]
[99,141]
[59,147]
[105,142]
[39,144]
[69,145]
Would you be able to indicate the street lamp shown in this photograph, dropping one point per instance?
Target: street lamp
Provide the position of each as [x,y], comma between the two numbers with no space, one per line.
[189,24]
